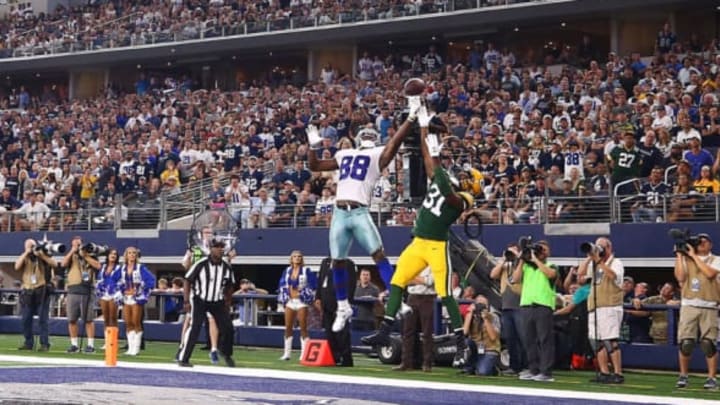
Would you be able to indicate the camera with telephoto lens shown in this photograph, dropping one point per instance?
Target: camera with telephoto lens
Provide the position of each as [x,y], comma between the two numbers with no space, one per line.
[479,308]
[683,238]
[589,248]
[48,247]
[527,248]
[95,249]
[509,255]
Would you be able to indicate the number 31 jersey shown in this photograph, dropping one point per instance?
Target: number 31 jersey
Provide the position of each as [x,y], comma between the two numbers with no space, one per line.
[359,171]
[436,216]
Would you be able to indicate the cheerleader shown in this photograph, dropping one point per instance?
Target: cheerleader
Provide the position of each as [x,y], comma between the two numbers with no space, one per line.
[106,290]
[135,284]
[296,292]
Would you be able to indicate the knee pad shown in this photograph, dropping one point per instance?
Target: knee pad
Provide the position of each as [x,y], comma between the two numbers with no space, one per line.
[687,346]
[611,345]
[595,345]
[708,347]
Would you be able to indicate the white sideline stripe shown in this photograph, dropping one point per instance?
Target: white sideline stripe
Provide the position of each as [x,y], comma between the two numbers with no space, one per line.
[317,377]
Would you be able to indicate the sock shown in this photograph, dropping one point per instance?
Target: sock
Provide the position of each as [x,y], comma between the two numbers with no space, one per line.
[340,280]
[91,342]
[74,341]
[453,311]
[213,349]
[386,272]
[394,301]
[344,304]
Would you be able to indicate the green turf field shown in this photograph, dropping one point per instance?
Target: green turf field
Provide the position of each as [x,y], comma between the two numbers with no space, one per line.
[644,383]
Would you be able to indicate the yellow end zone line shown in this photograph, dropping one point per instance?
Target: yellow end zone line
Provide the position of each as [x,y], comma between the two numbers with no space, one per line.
[345,379]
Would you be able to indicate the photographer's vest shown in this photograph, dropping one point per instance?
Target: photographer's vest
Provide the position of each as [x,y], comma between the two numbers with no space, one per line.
[698,290]
[510,292]
[75,283]
[196,254]
[478,335]
[537,288]
[34,274]
[609,294]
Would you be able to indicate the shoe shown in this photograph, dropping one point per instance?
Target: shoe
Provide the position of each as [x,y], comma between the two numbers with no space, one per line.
[89,350]
[400,368]
[381,337]
[526,375]
[509,373]
[617,379]
[682,381]
[229,361]
[461,354]
[73,349]
[427,369]
[185,364]
[342,315]
[543,378]
[404,311]
[711,384]
[602,379]
[44,348]
[214,359]
[25,347]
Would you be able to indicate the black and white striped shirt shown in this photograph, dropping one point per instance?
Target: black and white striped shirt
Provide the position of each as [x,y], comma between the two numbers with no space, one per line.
[208,280]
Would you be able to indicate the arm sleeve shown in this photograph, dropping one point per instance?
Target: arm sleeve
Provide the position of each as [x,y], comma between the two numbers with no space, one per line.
[442,180]
[192,272]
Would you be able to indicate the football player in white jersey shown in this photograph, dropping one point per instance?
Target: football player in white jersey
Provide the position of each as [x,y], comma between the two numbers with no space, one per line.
[359,171]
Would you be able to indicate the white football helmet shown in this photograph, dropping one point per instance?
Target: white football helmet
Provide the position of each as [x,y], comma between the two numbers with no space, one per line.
[367,138]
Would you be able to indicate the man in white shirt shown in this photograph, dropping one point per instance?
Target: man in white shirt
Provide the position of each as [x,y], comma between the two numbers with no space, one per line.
[262,208]
[662,120]
[32,215]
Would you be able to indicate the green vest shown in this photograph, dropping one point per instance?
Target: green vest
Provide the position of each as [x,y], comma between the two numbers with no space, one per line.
[197,254]
[537,288]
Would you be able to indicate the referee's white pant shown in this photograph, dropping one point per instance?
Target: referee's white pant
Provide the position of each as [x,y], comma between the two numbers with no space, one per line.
[220,312]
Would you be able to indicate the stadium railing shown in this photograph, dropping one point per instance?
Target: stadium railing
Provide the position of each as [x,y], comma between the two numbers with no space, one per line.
[176,212]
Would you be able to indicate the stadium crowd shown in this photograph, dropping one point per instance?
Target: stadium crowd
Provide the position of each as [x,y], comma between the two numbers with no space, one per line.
[532,142]
[119,23]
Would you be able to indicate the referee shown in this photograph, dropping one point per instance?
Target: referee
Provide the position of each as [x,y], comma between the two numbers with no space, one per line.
[211,280]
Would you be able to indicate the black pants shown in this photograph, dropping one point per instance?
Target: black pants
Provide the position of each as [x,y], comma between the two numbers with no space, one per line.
[340,343]
[220,312]
[420,320]
[539,341]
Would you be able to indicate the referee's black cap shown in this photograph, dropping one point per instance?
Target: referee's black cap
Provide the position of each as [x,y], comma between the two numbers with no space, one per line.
[217,243]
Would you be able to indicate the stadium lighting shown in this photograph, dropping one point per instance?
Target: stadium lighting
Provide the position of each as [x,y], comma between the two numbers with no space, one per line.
[562,24]
[516,29]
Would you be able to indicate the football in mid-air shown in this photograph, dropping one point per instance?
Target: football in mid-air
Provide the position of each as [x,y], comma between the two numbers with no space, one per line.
[414,86]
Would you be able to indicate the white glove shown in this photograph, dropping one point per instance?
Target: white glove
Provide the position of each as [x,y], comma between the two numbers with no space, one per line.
[423,117]
[414,104]
[314,138]
[433,144]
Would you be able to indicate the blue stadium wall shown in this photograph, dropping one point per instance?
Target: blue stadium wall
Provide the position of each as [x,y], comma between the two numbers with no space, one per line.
[630,240]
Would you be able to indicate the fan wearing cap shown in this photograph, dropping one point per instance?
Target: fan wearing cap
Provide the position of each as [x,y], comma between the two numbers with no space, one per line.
[706,184]
[696,156]
[626,161]
[442,206]
[696,272]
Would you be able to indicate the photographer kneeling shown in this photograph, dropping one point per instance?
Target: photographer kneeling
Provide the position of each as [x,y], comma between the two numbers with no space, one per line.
[696,270]
[37,266]
[605,311]
[483,330]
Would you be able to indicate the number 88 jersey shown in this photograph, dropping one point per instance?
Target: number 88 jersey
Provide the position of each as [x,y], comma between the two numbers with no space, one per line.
[359,171]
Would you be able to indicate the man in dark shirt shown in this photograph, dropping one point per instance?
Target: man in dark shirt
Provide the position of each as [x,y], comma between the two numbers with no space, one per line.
[340,342]
[365,319]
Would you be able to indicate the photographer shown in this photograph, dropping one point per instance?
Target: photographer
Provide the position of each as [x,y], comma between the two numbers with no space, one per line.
[537,303]
[605,311]
[510,290]
[81,269]
[483,330]
[36,266]
[696,270]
